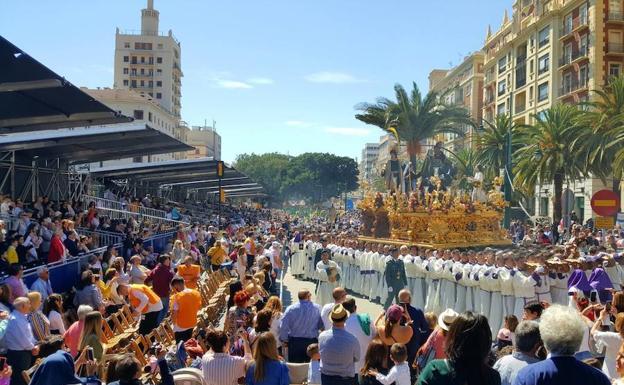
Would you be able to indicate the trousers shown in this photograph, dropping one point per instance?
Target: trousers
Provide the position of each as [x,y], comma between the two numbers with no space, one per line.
[337,380]
[149,321]
[297,349]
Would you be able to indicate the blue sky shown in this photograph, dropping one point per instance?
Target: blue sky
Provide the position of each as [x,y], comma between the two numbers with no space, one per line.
[281,75]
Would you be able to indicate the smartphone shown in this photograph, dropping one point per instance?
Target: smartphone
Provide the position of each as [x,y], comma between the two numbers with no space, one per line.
[2,362]
[90,354]
[593,297]
[608,306]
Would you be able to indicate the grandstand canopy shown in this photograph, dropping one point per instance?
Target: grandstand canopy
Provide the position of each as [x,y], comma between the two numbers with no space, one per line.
[33,97]
[93,144]
[197,174]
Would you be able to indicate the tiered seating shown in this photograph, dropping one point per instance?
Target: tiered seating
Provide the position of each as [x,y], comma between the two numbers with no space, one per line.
[214,289]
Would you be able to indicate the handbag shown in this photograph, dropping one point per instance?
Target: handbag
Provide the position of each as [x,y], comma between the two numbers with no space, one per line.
[425,357]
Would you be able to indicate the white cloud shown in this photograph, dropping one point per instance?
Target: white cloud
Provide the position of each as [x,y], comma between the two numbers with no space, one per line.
[261,81]
[232,84]
[298,123]
[332,77]
[348,131]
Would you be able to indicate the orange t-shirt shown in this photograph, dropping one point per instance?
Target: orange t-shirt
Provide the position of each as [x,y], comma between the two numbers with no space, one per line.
[190,274]
[185,304]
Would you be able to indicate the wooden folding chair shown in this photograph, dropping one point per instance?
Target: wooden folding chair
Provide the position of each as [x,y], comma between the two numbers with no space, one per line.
[28,373]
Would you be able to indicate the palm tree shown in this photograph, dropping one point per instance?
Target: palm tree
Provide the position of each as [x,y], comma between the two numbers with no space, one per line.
[465,161]
[547,153]
[603,140]
[491,143]
[414,118]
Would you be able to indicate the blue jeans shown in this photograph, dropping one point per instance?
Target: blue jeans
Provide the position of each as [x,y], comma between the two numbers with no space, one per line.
[165,310]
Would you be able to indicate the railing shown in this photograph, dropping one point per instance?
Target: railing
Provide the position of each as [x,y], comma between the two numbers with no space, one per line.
[576,23]
[615,16]
[615,48]
[110,204]
[101,238]
[11,222]
[574,85]
[567,59]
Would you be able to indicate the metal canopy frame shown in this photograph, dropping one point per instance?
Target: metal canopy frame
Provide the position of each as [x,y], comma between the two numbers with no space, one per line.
[33,97]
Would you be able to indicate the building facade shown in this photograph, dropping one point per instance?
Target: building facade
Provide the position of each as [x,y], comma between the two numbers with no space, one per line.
[370,152]
[547,52]
[145,110]
[149,61]
[461,86]
[207,143]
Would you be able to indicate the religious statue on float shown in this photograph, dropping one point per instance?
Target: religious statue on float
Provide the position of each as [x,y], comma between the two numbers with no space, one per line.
[393,172]
[437,160]
[478,193]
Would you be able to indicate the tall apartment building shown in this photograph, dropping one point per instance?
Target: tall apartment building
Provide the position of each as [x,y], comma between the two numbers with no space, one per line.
[145,110]
[207,143]
[149,61]
[461,86]
[370,152]
[552,51]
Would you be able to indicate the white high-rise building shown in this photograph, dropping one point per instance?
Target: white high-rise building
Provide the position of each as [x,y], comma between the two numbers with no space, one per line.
[369,159]
[149,62]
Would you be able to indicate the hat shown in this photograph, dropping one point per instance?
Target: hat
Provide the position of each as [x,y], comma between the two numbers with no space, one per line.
[504,335]
[338,313]
[394,313]
[446,318]
[578,282]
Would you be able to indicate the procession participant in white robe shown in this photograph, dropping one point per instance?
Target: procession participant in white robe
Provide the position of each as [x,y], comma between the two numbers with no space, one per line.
[447,283]
[468,282]
[298,256]
[458,275]
[485,281]
[542,289]
[524,285]
[434,272]
[506,283]
[375,273]
[496,315]
[309,252]
[367,270]
[409,267]
[328,273]
[383,285]
[357,280]
[476,288]
[419,290]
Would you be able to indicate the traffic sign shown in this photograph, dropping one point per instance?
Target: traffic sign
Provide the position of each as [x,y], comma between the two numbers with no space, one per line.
[605,203]
[604,223]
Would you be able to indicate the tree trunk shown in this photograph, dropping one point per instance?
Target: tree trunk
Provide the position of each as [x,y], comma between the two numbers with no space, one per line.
[557,205]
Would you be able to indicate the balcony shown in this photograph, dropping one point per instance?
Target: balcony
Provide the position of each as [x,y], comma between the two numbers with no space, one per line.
[572,86]
[576,55]
[135,75]
[138,63]
[578,24]
[615,17]
[489,99]
[615,49]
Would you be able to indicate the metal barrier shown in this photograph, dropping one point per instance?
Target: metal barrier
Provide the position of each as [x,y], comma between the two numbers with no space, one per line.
[100,237]
[110,204]
[11,222]
[123,214]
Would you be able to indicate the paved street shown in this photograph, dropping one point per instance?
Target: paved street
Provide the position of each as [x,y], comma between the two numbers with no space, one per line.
[293,285]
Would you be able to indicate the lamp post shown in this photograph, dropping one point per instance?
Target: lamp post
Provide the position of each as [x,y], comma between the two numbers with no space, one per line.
[508,165]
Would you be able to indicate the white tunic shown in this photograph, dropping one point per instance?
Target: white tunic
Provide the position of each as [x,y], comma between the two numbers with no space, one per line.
[325,288]
[447,285]
[507,290]
[460,295]
[419,289]
[524,291]
[496,305]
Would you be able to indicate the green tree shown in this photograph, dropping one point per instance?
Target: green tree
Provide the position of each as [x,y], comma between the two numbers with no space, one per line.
[491,143]
[413,117]
[602,142]
[547,154]
[465,161]
[267,169]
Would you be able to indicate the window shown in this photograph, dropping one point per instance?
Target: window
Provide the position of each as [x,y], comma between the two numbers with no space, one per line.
[133,84]
[143,59]
[142,83]
[126,45]
[583,76]
[125,71]
[541,115]
[159,60]
[502,87]
[568,24]
[500,109]
[134,60]
[543,64]
[544,36]
[126,59]
[125,82]
[158,95]
[142,71]
[614,69]
[138,114]
[583,14]
[542,92]
[543,207]
[502,64]
[158,71]
[150,84]
[149,116]
[584,45]
[158,83]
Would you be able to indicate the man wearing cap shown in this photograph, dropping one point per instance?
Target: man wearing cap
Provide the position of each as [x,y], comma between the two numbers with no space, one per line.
[42,284]
[395,277]
[339,350]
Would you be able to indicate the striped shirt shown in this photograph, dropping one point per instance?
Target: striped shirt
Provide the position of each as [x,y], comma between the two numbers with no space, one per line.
[39,324]
[223,369]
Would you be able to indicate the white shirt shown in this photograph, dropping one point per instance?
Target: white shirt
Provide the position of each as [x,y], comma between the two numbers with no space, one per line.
[612,342]
[222,368]
[399,374]
[325,315]
[56,322]
[352,325]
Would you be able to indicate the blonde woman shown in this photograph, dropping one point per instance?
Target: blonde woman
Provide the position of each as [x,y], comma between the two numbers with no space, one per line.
[178,253]
[267,368]
[274,304]
[91,334]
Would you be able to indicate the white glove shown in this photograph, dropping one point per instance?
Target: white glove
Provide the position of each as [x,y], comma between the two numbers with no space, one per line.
[390,290]
[539,270]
